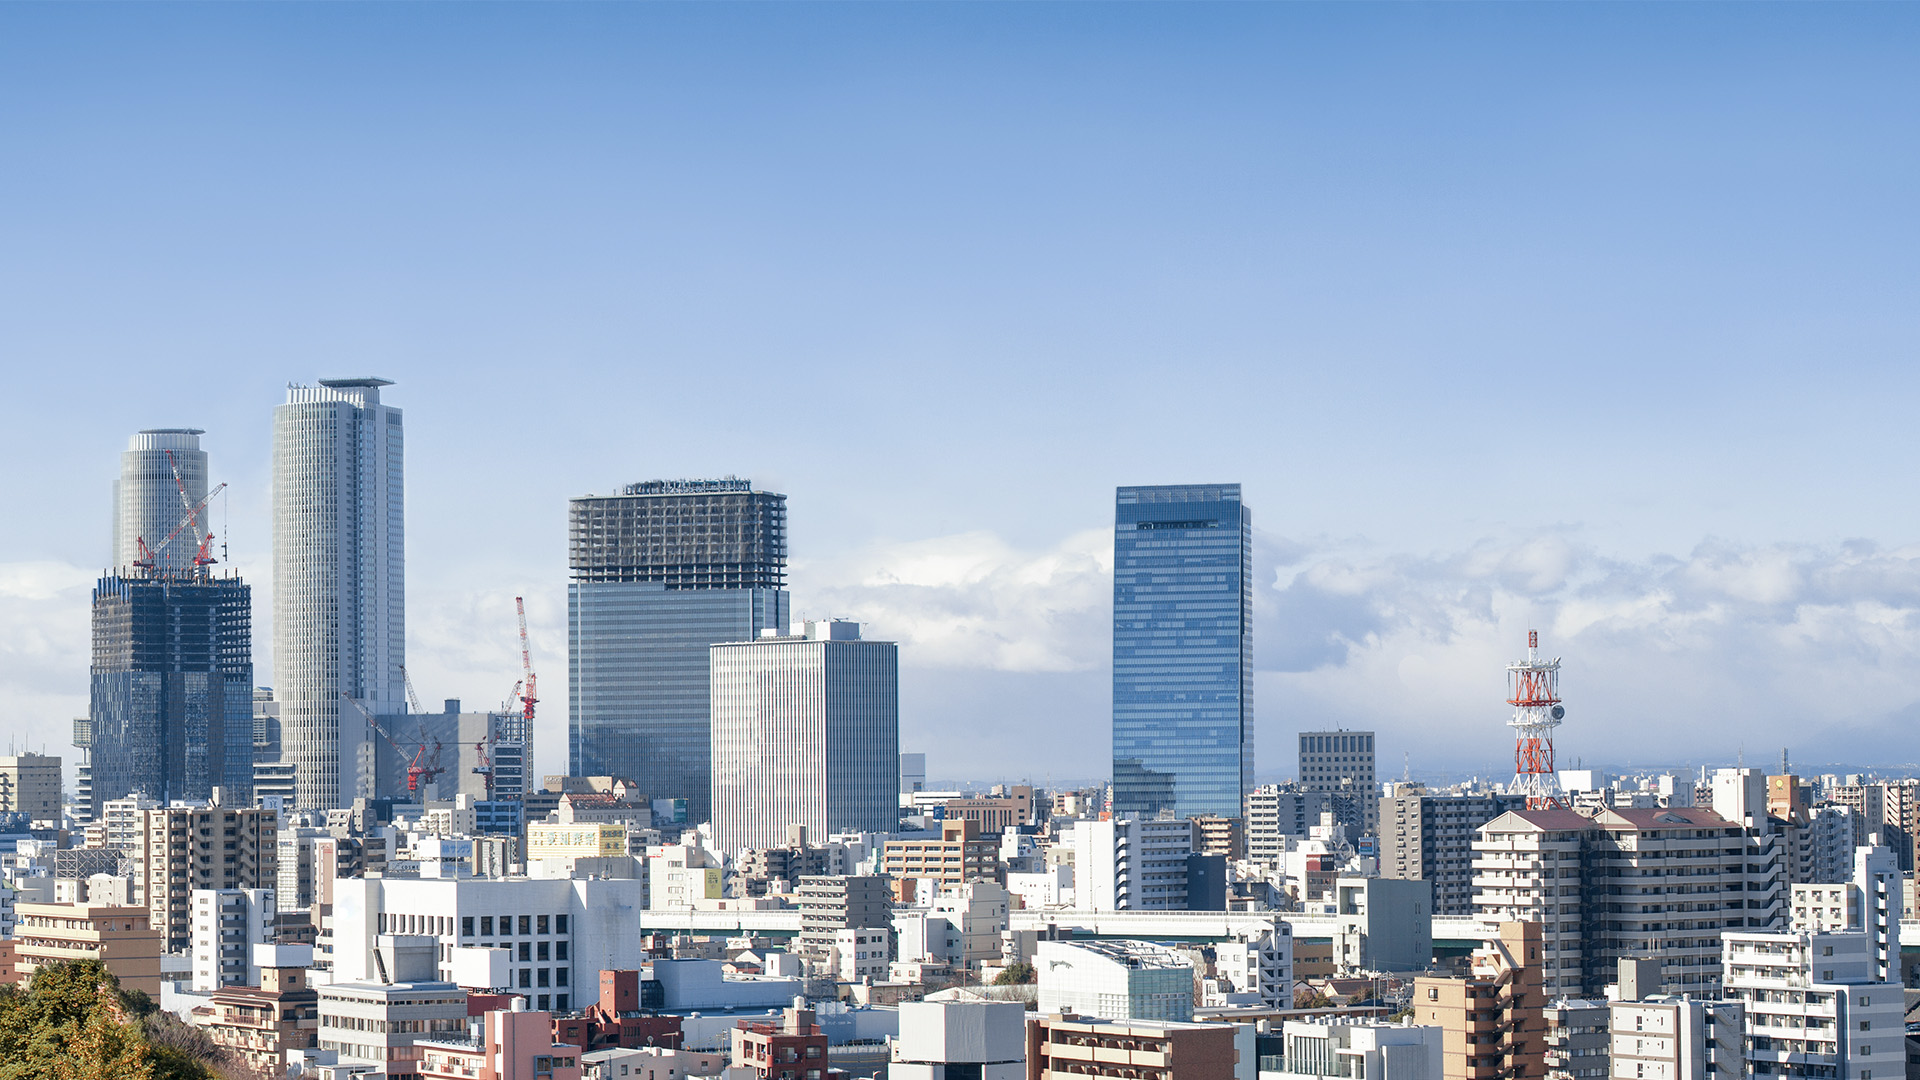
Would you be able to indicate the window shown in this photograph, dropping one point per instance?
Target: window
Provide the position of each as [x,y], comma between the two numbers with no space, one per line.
[1866,1025]
[466,926]
[559,976]
[560,1000]
[545,1002]
[526,953]
[526,977]
[1826,950]
[541,952]
[543,925]
[559,950]
[526,925]
[486,926]
[506,925]
[545,975]
[1433,993]
[559,924]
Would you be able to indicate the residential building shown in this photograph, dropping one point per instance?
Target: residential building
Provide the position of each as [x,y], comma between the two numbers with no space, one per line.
[1277,812]
[1353,1050]
[1114,980]
[1815,1005]
[960,1040]
[793,1049]
[1576,1039]
[1430,838]
[117,936]
[183,848]
[339,581]
[862,954]
[622,1017]
[383,1023]
[661,572]
[1061,1046]
[30,785]
[1182,650]
[961,854]
[682,875]
[1493,1022]
[171,687]
[805,730]
[1585,881]
[1341,763]
[1136,865]
[652,1063]
[831,903]
[1222,836]
[503,1045]
[261,1024]
[226,925]
[1671,1037]
[560,932]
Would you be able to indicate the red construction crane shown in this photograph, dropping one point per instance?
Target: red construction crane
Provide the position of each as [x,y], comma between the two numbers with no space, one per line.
[526,664]
[203,556]
[417,772]
[149,559]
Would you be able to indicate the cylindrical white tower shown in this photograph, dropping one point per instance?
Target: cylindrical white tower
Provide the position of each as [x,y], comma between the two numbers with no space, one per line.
[339,582]
[146,499]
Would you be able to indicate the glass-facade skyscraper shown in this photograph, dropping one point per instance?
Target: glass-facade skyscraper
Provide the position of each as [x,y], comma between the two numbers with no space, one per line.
[661,572]
[1182,651]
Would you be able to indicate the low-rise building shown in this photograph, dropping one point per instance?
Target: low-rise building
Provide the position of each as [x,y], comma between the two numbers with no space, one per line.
[793,1049]
[262,1024]
[117,936]
[1061,1046]
[1114,980]
[960,1040]
[503,1045]
[1357,1050]
[382,1023]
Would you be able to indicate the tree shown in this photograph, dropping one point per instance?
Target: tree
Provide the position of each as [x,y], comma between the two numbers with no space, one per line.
[106,1046]
[74,1022]
[1018,973]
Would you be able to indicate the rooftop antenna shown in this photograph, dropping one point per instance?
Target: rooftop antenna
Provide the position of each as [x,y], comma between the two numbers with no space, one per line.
[1533,689]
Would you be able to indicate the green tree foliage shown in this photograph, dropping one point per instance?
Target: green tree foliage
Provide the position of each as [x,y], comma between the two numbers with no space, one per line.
[1018,974]
[75,1023]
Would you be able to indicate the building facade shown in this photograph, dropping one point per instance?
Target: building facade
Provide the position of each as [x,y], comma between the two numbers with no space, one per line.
[184,848]
[1182,651]
[1341,763]
[1061,1046]
[659,574]
[805,731]
[170,691]
[30,785]
[339,581]
[163,471]
[1815,1006]
[1430,838]
[1494,1021]
[1114,980]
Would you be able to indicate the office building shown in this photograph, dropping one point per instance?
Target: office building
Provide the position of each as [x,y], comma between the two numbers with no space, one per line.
[1340,763]
[1815,1006]
[1427,837]
[30,785]
[659,574]
[960,1040]
[226,925]
[184,848]
[163,471]
[1139,866]
[1493,1022]
[481,755]
[806,731]
[1096,1049]
[116,935]
[1182,651]
[1114,980]
[1351,1049]
[961,854]
[381,1021]
[339,581]
[913,773]
[1581,880]
[1277,812]
[171,688]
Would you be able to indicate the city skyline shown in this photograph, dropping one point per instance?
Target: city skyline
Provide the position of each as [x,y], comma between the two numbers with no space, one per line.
[1379,249]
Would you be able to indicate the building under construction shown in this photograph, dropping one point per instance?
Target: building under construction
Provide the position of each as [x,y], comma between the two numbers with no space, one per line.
[480,754]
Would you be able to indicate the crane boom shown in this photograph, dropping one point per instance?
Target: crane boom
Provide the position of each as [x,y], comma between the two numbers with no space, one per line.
[150,556]
[526,664]
[413,699]
[417,773]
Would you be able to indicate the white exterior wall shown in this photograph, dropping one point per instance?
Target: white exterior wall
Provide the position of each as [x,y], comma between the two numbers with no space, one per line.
[339,583]
[146,499]
[1082,979]
[227,924]
[1816,999]
[1132,865]
[991,1034]
[1367,1051]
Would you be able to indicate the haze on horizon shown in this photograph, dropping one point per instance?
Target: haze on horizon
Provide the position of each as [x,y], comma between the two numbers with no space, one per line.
[1593,318]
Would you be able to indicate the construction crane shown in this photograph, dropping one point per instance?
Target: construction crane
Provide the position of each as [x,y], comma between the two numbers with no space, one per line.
[413,699]
[149,559]
[482,757]
[418,771]
[526,664]
[203,556]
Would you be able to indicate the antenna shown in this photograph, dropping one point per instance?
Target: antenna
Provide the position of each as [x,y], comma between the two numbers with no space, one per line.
[1533,689]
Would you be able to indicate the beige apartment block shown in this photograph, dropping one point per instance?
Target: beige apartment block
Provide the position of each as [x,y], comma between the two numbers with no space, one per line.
[118,937]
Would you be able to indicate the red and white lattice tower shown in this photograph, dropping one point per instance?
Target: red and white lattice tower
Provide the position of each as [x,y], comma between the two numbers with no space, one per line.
[1533,689]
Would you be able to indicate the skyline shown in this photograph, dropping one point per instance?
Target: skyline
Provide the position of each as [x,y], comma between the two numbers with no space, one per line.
[1598,357]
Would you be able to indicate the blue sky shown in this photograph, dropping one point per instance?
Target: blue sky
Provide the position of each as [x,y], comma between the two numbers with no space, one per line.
[1599,317]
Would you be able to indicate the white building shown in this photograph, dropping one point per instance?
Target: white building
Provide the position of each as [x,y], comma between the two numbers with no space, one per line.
[380,1021]
[339,581]
[1359,1051]
[1816,1006]
[806,730]
[1132,865]
[863,953]
[147,499]
[226,925]
[1114,980]
[683,876]
[562,932]
[1674,1038]
[1052,887]
[1258,966]
[960,1040]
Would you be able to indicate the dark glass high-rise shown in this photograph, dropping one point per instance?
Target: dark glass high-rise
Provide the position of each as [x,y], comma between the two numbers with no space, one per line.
[1182,651]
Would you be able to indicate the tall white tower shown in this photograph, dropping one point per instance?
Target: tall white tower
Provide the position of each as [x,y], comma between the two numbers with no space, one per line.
[147,504]
[1533,689]
[339,581]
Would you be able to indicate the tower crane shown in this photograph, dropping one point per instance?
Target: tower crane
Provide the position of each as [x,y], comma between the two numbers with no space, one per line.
[149,559]
[526,664]
[203,555]
[418,772]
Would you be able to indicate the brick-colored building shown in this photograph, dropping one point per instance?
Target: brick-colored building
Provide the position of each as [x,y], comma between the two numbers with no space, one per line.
[617,1019]
[118,937]
[1494,1021]
[1064,1045]
[261,1023]
[510,1046]
[962,854]
[793,1049]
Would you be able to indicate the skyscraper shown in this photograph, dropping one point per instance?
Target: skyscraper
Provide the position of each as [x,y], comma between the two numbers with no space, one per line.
[661,572]
[147,503]
[1182,651]
[1340,763]
[170,710]
[339,581]
[806,731]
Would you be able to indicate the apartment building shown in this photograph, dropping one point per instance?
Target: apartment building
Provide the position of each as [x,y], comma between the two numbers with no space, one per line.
[117,936]
[1493,1022]
[1670,1037]
[1576,1039]
[1428,837]
[1142,865]
[503,1045]
[1815,1006]
[963,853]
[1638,882]
[1277,812]
[260,1024]
[1353,1050]
[832,903]
[793,1049]
[183,848]
[1066,1045]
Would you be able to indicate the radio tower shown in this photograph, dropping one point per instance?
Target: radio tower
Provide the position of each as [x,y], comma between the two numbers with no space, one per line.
[1533,687]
